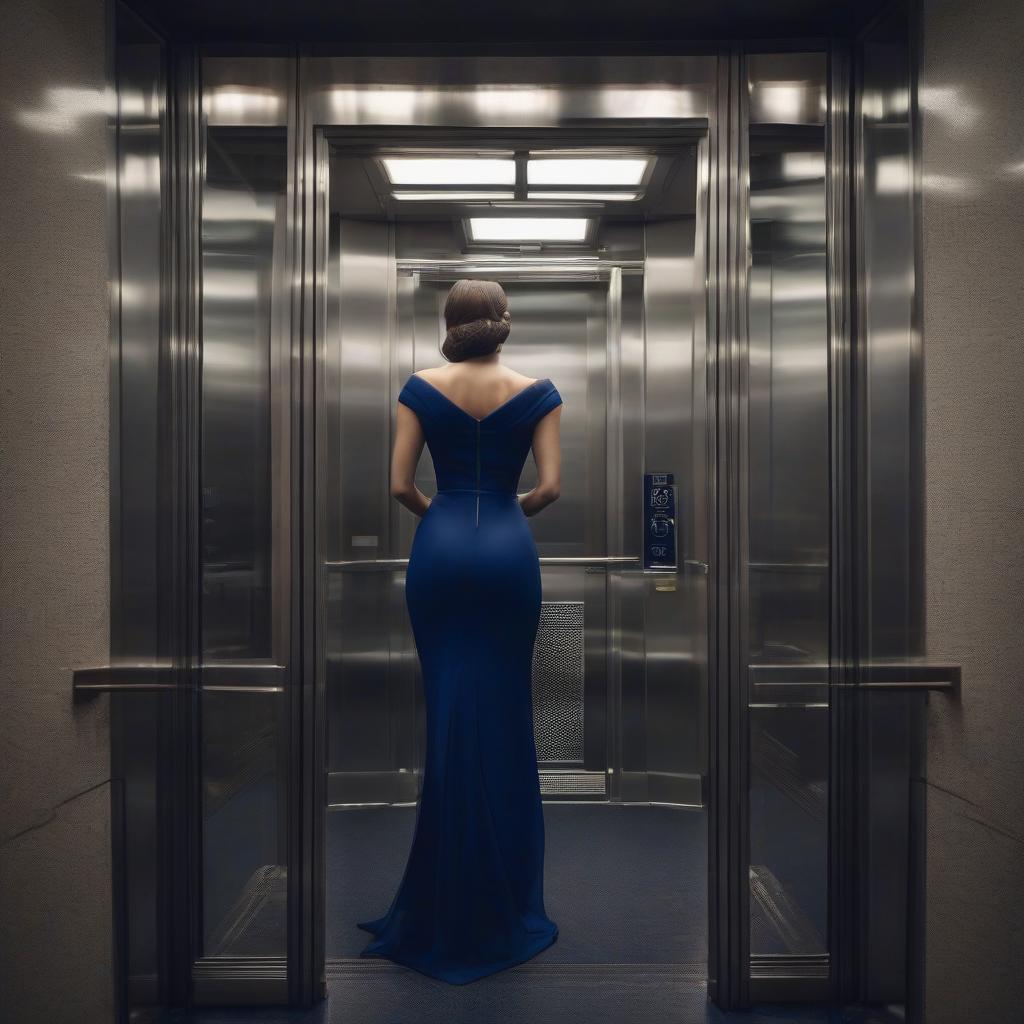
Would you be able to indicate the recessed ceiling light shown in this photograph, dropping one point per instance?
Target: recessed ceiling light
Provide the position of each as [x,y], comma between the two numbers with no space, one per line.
[600,196]
[430,170]
[528,229]
[587,171]
[452,196]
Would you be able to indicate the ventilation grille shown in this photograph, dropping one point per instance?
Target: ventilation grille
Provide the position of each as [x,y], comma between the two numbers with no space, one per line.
[558,682]
[554,783]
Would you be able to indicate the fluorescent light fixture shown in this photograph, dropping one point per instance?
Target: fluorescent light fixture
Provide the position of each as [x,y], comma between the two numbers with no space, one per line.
[443,170]
[452,196]
[587,171]
[599,196]
[528,229]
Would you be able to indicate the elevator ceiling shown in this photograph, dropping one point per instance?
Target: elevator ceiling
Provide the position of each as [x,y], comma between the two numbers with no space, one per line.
[571,27]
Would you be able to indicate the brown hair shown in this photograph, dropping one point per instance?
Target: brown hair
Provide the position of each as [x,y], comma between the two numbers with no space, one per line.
[476,314]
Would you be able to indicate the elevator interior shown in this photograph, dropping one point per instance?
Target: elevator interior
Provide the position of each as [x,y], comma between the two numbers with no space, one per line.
[597,248]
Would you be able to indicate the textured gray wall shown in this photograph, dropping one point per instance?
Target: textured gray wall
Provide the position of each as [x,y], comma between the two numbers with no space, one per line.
[973,222]
[55,921]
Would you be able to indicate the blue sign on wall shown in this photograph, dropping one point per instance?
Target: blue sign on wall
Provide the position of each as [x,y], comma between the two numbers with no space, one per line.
[659,521]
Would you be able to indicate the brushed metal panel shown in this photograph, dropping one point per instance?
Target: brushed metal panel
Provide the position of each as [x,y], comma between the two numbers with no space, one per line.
[788,511]
[361,314]
[244,293]
[252,91]
[505,91]
[787,88]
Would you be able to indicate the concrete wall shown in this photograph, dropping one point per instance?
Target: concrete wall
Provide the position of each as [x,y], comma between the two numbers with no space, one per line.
[55,921]
[973,222]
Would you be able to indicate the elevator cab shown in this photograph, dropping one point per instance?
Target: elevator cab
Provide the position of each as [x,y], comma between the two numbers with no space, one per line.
[673,238]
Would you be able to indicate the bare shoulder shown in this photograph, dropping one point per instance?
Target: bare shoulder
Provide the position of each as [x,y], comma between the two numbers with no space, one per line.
[431,373]
[454,373]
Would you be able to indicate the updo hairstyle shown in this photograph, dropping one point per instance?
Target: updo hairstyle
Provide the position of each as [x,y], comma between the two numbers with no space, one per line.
[476,314]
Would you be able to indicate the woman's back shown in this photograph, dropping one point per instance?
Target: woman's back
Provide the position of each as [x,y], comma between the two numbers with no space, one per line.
[477,388]
[484,452]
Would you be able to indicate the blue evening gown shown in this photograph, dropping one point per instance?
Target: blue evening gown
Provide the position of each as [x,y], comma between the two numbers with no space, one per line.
[471,901]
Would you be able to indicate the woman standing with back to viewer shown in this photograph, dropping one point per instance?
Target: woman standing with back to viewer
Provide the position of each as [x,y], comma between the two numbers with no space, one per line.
[471,901]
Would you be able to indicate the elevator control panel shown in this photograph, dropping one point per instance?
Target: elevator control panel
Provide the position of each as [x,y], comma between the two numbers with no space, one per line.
[659,521]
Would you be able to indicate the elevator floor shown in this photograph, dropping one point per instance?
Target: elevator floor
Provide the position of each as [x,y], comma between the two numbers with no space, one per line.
[627,884]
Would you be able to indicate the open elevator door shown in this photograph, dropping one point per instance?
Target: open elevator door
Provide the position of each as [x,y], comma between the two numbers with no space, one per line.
[620,666]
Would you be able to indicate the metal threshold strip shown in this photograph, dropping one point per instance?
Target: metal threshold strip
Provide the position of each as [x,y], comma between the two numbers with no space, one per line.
[624,563]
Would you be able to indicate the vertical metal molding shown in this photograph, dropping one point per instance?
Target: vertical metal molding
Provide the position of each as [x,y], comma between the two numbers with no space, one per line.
[917,838]
[842,701]
[308,711]
[118,827]
[728,823]
[183,809]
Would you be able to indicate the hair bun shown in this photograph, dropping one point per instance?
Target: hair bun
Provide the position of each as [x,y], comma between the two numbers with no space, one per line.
[477,317]
[476,338]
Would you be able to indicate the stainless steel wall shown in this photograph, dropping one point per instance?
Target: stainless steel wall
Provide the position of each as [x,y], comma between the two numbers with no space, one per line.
[55,920]
[972,198]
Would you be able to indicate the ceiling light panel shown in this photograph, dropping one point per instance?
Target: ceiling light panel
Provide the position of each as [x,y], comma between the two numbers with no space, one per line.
[528,229]
[430,170]
[587,171]
[452,197]
[592,196]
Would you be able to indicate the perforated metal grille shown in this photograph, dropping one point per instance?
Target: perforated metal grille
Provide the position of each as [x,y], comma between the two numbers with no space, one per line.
[558,682]
[562,783]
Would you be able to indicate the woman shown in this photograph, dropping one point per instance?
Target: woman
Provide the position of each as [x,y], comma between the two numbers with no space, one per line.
[471,901]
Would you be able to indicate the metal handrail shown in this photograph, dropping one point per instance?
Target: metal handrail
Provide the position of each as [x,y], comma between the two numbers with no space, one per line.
[148,677]
[597,561]
[389,564]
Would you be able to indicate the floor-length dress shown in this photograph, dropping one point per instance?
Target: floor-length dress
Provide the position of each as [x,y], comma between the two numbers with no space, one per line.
[471,901]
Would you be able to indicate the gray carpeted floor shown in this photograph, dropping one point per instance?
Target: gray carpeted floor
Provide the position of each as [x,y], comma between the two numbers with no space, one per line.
[627,884]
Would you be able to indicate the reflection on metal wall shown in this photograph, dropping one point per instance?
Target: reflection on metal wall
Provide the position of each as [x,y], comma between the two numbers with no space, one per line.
[788,511]
[890,350]
[243,539]
[242,195]
[499,91]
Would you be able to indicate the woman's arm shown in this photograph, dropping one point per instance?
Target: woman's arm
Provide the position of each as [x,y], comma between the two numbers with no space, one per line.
[547,453]
[405,455]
